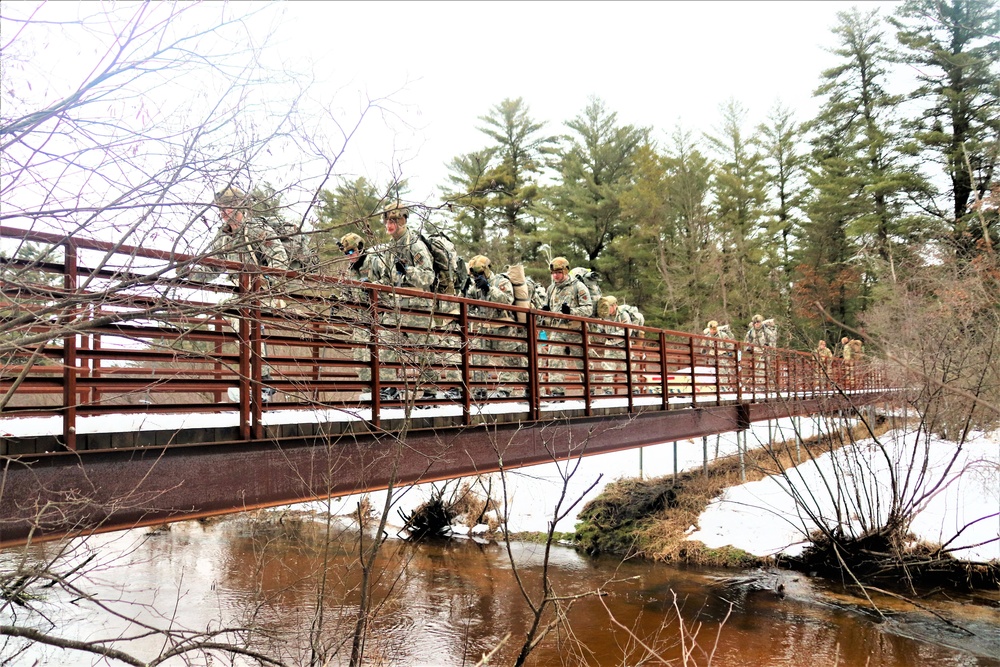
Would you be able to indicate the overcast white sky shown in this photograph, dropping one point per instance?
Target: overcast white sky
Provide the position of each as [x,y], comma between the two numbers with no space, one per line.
[436,67]
[654,63]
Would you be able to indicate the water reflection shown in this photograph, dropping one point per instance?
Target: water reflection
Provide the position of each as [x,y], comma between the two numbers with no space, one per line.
[447,603]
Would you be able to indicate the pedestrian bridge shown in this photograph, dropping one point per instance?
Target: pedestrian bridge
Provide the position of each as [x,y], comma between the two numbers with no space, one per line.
[133,395]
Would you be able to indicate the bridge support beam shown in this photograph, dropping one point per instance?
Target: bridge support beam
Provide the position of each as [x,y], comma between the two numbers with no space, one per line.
[47,496]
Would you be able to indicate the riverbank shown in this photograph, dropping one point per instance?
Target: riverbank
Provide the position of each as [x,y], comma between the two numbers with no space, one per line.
[890,507]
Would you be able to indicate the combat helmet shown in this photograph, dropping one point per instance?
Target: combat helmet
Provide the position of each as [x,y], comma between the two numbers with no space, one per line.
[479,264]
[396,211]
[351,242]
[559,264]
[712,324]
[757,318]
[231,198]
[604,305]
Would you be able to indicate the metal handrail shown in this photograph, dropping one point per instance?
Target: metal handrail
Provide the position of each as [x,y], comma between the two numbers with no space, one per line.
[125,340]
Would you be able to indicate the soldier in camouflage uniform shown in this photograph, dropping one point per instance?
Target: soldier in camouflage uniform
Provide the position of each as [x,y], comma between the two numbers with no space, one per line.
[250,241]
[365,267]
[567,296]
[495,288]
[607,309]
[824,362]
[761,332]
[761,335]
[407,262]
[243,238]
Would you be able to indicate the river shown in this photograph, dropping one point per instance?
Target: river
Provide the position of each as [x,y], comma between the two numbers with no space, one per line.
[447,602]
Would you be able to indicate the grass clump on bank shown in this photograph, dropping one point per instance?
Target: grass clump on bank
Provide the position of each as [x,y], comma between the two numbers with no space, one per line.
[652,518]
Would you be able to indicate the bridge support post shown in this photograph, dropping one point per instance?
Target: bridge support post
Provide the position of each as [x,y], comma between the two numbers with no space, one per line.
[704,454]
[675,463]
[741,443]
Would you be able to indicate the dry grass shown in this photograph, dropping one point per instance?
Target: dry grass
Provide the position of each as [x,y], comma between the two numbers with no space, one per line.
[610,524]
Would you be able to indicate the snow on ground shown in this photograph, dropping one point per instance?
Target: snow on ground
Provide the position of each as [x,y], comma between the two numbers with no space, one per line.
[534,491]
[956,490]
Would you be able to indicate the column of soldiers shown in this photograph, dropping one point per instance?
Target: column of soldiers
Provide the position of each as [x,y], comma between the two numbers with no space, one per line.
[405,334]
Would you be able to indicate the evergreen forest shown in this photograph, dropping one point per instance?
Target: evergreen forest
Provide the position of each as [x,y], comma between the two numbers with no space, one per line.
[815,222]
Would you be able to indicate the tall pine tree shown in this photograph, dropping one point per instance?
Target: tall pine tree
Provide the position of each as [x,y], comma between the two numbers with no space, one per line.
[595,169]
[953,46]
[740,192]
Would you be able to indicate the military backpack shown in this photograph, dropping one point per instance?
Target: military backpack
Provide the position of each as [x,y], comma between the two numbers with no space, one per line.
[592,281]
[301,255]
[449,269]
[634,315]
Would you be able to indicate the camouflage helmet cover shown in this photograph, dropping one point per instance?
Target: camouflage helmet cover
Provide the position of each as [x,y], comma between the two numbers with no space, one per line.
[479,263]
[351,242]
[604,305]
[758,318]
[395,211]
[712,324]
[559,264]
[230,198]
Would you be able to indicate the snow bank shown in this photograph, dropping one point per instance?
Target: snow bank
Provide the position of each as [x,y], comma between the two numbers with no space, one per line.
[955,491]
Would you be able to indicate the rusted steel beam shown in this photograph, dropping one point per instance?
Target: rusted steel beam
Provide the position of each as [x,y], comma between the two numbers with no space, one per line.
[48,496]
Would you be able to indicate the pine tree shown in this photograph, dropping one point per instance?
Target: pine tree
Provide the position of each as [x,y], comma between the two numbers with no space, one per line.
[740,191]
[469,197]
[595,169]
[784,164]
[860,179]
[953,46]
[669,211]
[500,182]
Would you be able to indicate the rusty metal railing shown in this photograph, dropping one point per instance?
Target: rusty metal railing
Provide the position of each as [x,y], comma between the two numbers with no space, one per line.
[103,329]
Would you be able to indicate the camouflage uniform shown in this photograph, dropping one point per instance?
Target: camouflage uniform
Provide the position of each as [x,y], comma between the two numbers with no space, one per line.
[407,262]
[760,338]
[242,239]
[605,306]
[824,361]
[354,310]
[569,295]
[495,288]
[250,241]
[766,335]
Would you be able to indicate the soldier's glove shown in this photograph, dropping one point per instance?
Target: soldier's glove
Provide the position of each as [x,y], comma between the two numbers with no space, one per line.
[565,309]
[546,308]
[483,284]
[400,267]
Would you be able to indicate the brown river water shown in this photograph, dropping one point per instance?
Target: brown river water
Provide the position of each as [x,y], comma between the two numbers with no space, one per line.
[448,602]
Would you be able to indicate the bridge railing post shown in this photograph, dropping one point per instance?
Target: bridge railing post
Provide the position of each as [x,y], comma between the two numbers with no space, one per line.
[629,389]
[463,321]
[588,403]
[70,267]
[533,390]
[375,379]
[245,354]
[256,357]
[664,388]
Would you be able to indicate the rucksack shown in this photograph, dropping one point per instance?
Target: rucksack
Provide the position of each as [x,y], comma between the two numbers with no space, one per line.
[527,293]
[449,269]
[634,314]
[591,280]
[301,255]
